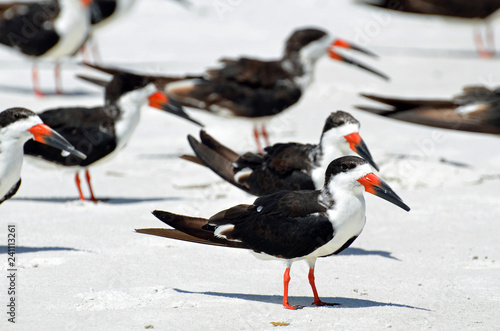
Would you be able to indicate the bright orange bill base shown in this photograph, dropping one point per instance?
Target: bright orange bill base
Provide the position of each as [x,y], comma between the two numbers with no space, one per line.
[45,135]
[374,185]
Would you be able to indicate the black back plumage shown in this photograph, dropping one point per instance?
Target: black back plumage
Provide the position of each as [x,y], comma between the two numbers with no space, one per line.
[284,224]
[282,167]
[24,26]
[90,130]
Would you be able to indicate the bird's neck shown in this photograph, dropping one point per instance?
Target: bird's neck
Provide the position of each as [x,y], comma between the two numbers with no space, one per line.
[129,106]
[301,68]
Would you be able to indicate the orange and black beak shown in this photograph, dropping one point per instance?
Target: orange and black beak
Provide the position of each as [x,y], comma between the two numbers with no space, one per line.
[161,101]
[358,145]
[45,135]
[344,44]
[377,186]
[86,3]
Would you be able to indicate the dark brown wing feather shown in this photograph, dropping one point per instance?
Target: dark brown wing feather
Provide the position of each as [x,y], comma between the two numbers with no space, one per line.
[179,235]
[252,72]
[191,227]
[283,167]
[286,224]
[220,165]
[222,150]
[447,114]
[455,8]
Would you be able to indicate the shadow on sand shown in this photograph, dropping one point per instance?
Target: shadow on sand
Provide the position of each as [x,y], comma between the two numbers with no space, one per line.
[360,251]
[24,249]
[111,201]
[304,301]
[28,89]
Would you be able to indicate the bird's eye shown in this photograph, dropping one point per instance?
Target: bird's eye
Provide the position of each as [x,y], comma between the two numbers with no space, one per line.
[17,116]
[344,167]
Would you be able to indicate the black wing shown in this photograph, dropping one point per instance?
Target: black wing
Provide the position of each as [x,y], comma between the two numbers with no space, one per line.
[282,167]
[251,72]
[90,130]
[286,224]
[476,110]
[24,26]
[456,8]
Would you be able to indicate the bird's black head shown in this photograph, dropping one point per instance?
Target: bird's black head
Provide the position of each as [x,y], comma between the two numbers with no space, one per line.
[344,164]
[301,38]
[338,119]
[122,83]
[12,115]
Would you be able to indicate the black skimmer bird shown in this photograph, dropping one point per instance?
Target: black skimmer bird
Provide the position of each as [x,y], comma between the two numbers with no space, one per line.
[477,109]
[45,29]
[101,131]
[291,225]
[18,125]
[256,89]
[480,11]
[288,166]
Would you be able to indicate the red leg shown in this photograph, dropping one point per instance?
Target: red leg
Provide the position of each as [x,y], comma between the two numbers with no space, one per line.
[57,72]
[78,186]
[84,51]
[481,49]
[490,39]
[36,83]
[286,281]
[317,301]
[256,136]
[95,51]
[87,176]
[265,135]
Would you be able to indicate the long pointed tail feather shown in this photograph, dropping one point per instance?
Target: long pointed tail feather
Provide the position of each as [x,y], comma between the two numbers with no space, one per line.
[213,144]
[193,159]
[188,228]
[219,164]
[403,104]
[93,80]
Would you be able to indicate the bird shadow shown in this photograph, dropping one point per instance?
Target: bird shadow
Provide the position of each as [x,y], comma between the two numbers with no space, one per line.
[159,156]
[29,90]
[111,201]
[360,251]
[24,249]
[304,301]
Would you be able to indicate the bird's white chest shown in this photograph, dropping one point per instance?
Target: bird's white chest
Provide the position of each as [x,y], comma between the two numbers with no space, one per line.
[73,27]
[11,160]
[348,221]
[126,124]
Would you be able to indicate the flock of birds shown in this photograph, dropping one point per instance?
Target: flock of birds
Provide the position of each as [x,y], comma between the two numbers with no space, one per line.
[310,196]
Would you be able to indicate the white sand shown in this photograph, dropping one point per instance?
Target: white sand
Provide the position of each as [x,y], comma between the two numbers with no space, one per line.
[82,267]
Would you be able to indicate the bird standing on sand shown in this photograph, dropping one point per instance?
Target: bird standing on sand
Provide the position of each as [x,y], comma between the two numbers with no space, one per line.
[286,166]
[49,29]
[18,125]
[100,131]
[291,225]
[257,89]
